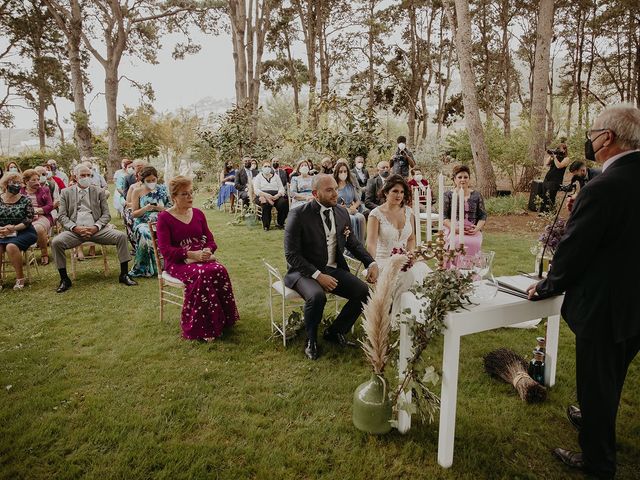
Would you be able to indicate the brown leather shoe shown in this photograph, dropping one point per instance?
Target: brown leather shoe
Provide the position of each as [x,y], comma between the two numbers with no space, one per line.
[569,458]
[575,416]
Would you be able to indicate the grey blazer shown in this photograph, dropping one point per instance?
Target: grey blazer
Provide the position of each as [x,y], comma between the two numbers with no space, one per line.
[67,212]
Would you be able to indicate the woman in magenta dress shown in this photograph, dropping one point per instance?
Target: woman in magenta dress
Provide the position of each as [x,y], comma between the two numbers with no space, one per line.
[187,245]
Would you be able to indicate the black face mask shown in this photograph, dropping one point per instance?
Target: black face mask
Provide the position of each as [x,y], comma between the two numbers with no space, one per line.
[13,189]
[589,152]
[247,165]
[275,165]
[384,174]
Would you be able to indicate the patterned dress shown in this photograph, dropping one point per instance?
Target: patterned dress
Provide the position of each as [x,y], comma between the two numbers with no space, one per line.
[209,305]
[14,214]
[145,261]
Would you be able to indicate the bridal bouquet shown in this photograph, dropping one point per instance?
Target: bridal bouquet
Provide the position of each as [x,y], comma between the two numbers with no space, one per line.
[402,251]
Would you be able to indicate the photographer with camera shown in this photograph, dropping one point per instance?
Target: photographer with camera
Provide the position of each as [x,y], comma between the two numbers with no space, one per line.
[557,160]
[402,160]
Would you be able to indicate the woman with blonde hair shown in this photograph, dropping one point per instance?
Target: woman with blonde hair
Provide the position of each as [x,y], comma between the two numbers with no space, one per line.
[187,245]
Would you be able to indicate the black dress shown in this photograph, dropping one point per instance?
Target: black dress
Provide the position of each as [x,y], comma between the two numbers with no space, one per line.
[552,181]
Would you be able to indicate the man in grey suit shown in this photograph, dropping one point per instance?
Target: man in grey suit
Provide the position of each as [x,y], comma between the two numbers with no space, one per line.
[84,214]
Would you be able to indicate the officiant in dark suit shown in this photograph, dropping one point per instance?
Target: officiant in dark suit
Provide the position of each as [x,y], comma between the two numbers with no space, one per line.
[597,264]
[316,235]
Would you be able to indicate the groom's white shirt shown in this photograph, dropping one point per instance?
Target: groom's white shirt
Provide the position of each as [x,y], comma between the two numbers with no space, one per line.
[332,240]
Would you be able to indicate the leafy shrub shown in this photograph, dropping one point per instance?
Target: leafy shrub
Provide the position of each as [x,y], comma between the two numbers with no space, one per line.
[515,204]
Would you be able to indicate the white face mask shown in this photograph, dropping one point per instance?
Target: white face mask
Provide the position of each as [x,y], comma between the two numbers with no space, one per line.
[43,178]
[13,169]
[151,185]
[402,146]
[418,178]
[304,169]
[359,165]
[343,176]
[131,170]
[84,182]
[266,171]
[49,174]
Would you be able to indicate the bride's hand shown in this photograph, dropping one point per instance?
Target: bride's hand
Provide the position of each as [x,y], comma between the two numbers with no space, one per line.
[372,273]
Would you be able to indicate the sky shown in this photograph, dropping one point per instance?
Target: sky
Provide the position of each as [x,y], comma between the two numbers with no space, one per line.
[177,83]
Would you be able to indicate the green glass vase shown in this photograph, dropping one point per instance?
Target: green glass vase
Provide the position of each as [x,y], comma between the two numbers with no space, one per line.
[371,407]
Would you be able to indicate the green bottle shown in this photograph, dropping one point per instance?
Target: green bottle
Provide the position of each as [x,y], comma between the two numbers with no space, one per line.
[536,367]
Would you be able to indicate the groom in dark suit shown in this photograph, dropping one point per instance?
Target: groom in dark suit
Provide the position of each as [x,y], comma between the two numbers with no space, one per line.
[597,264]
[316,235]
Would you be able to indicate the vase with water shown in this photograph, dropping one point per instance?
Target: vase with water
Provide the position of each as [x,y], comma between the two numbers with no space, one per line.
[485,286]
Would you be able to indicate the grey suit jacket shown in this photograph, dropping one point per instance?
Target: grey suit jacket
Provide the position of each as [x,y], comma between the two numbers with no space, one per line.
[67,212]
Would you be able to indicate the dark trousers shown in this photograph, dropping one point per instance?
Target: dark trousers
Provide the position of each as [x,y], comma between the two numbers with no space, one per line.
[243,195]
[349,287]
[281,205]
[601,367]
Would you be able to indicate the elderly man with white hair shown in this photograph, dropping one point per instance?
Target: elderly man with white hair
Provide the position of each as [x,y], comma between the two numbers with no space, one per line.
[84,214]
[597,264]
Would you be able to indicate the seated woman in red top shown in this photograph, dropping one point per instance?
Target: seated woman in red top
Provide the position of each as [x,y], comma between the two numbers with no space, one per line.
[187,245]
[42,205]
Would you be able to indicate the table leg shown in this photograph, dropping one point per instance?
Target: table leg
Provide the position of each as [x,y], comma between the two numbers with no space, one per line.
[448,398]
[404,417]
[551,350]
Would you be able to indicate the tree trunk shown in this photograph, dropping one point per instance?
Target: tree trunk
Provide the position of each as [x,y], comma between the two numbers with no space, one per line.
[307,13]
[540,88]
[42,108]
[111,97]
[238,17]
[484,170]
[82,132]
[294,80]
[371,72]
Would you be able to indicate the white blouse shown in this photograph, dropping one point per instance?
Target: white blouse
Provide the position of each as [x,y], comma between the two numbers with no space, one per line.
[261,184]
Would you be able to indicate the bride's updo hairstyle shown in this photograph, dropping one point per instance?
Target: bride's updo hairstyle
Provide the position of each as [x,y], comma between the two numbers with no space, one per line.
[391,182]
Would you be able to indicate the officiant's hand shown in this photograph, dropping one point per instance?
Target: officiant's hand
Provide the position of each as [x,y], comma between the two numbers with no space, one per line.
[327,282]
[372,273]
[531,292]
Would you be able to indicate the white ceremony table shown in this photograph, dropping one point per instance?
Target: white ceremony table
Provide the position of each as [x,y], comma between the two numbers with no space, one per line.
[502,311]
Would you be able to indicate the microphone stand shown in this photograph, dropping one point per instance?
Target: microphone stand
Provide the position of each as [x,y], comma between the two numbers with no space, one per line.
[546,243]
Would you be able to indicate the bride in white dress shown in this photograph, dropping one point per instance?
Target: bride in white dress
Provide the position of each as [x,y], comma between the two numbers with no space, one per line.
[392,225]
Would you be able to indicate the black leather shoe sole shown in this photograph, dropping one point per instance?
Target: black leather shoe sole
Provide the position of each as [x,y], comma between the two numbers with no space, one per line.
[574,416]
[63,287]
[570,459]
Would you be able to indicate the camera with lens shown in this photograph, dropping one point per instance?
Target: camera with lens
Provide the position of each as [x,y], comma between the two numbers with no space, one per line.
[557,153]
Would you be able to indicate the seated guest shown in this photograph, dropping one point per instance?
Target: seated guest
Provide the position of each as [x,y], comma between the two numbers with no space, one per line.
[148,201]
[16,232]
[42,206]
[270,193]
[118,180]
[243,180]
[475,215]
[51,176]
[419,182]
[130,188]
[52,186]
[314,243]
[361,174]
[300,187]
[312,170]
[13,167]
[227,188]
[84,214]
[326,166]
[187,245]
[349,197]
[57,172]
[374,185]
[131,179]
[281,172]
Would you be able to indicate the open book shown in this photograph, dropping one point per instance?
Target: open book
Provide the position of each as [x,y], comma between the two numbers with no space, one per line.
[518,284]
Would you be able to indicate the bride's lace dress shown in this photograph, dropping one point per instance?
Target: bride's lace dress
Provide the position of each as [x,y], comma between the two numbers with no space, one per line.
[390,237]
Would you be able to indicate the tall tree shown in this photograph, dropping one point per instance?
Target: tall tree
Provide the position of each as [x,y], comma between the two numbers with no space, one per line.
[250,22]
[69,19]
[540,87]
[462,34]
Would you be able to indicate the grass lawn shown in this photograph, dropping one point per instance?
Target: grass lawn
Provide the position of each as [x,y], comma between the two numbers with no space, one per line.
[95,386]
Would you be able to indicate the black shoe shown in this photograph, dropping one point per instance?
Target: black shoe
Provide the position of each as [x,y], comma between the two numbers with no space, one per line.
[575,416]
[337,338]
[569,458]
[64,286]
[280,227]
[127,280]
[311,350]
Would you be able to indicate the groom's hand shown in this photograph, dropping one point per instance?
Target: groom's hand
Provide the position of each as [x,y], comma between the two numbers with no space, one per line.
[327,282]
[372,273]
